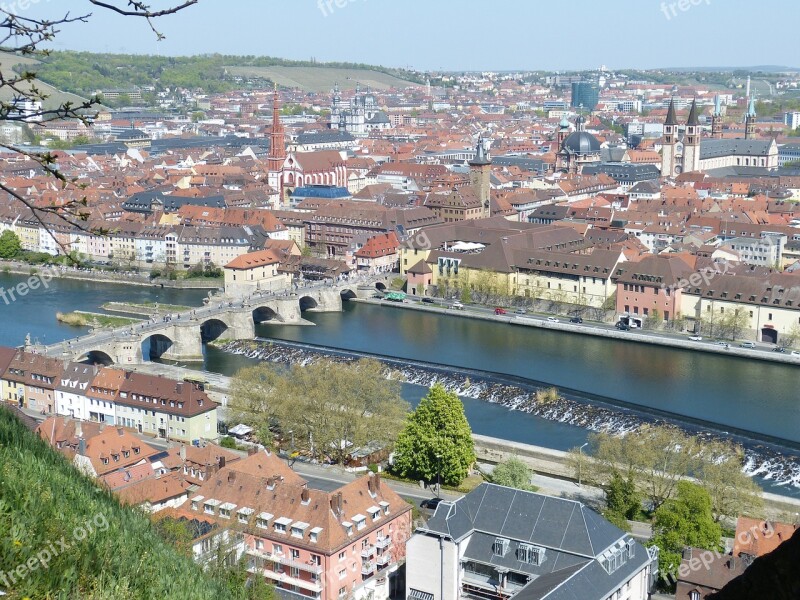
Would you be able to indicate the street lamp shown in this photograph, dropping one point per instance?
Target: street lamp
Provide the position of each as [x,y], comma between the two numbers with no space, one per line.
[438,475]
[580,463]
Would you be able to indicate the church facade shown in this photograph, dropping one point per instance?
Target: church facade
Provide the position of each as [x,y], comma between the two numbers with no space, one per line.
[358,116]
[689,153]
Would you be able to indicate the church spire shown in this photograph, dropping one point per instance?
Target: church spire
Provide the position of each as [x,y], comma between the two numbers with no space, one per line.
[671,118]
[277,137]
[693,120]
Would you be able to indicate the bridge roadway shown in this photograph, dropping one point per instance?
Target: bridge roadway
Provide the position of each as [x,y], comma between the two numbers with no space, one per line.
[180,336]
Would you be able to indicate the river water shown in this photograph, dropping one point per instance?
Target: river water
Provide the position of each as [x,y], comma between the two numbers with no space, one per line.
[611,384]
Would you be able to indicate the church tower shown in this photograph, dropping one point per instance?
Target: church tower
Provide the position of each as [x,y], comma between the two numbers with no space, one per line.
[750,120]
[480,171]
[277,137]
[336,107]
[716,119]
[669,150]
[691,141]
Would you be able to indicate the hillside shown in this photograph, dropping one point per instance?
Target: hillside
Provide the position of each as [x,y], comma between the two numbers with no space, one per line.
[10,63]
[97,549]
[321,79]
[85,73]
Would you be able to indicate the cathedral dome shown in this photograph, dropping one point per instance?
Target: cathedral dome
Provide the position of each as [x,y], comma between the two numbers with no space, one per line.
[581,142]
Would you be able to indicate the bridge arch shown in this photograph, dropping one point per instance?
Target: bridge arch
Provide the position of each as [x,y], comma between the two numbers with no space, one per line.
[348,294]
[156,345]
[97,357]
[212,329]
[380,286]
[308,303]
[263,314]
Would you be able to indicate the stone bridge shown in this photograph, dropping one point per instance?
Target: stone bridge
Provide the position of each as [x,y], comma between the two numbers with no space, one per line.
[180,337]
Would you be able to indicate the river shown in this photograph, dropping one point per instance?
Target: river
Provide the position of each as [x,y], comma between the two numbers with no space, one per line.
[755,399]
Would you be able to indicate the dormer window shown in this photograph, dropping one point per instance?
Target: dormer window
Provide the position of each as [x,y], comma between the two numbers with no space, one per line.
[281,524]
[500,546]
[313,535]
[348,527]
[374,512]
[360,521]
[385,506]
[527,553]
[262,522]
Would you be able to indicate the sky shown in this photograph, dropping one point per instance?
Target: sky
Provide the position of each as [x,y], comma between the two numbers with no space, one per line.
[453,35]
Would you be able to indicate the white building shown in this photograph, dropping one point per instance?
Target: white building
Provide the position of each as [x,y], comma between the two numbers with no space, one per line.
[498,543]
[71,399]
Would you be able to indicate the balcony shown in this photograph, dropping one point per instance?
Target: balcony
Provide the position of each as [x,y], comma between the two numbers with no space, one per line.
[367,552]
[282,559]
[311,586]
[383,559]
[367,568]
[383,542]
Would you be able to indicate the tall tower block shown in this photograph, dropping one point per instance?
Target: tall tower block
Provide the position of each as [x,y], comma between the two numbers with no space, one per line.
[716,119]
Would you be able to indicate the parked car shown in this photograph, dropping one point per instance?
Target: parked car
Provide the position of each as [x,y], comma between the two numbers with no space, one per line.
[779,349]
[428,300]
[622,326]
[430,503]
[552,319]
[724,344]
[576,320]
[521,311]
[795,353]
[457,305]
[696,338]
[499,311]
[747,345]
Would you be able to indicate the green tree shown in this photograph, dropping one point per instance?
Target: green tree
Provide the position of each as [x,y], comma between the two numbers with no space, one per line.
[9,244]
[655,320]
[721,474]
[685,520]
[655,458]
[622,497]
[514,473]
[331,407]
[228,442]
[436,440]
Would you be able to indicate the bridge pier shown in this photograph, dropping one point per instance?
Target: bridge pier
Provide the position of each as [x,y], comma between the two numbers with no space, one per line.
[187,345]
[322,300]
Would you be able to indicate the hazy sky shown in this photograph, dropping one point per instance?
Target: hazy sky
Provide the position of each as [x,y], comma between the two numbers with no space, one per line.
[453,34]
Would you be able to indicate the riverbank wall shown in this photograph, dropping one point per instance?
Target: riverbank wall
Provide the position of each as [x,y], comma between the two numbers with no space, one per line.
[57,272]
[639,337]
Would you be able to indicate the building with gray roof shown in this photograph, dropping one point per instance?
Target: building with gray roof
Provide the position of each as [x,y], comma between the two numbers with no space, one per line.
[498,543]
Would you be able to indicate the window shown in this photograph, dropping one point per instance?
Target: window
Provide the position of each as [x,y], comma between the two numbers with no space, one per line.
[694,595]
[277,549]
[295,554]
[342,555]
[532,555]
[500,547]
[342,575]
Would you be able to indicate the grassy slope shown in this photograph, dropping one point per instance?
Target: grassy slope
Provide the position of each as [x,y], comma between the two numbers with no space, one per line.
[55,97]
[321,79]
[43,499]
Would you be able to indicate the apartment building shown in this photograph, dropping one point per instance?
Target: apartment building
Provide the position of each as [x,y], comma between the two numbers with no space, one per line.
[498,543]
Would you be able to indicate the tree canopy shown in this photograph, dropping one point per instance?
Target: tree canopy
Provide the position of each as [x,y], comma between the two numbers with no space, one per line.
[684,521]
[436,440]
[514,473]
[9,244]
[329,408]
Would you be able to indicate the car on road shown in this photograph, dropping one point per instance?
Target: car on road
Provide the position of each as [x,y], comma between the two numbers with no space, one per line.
[576,320]
[457,306]
[795,353]
[779,349]
[430,503]
[724,344]
[747,345]
[429,300]
[622,326]
[521,311]
[552,319]
[499,311]
[696,338]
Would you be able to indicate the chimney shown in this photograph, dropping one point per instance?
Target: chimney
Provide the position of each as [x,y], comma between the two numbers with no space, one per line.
[304,496]
[82,447]
[231,477]
[377,482]
[339,508]
[370,483]
[78,429]
[221,462]
[183,452]
[251,450]
[120,431]
[333,505]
